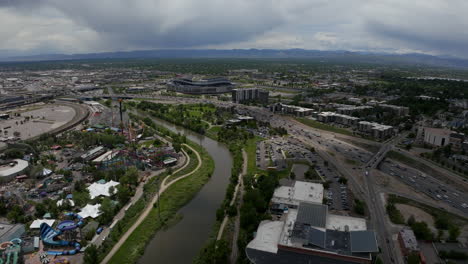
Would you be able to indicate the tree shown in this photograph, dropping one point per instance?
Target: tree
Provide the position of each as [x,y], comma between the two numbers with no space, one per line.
[422,231]
[292,175]
[454,232]
[107,211]
[413,258]
[343,180]
[123,194]
[359,206]
[91,255]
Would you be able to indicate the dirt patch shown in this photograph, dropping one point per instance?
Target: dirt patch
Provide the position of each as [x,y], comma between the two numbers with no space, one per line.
[419,215]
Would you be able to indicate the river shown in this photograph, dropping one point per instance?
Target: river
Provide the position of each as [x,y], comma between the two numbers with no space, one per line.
[181,243]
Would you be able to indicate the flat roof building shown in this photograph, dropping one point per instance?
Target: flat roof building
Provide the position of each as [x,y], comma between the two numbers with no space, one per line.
[9,231]
[291,197]
[375,129]
[408,241]
[436,136]
[9,169]
[291,109]
[305,236]
[250,95]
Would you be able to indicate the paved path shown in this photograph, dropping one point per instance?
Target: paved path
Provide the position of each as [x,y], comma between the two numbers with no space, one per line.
[98,239]
[235,237]
[149,207]
[233,200]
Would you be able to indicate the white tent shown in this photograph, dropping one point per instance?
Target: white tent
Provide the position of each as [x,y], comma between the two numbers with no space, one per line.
[97,189]
[90,211]
[46,172]
[60,202]
[37,223]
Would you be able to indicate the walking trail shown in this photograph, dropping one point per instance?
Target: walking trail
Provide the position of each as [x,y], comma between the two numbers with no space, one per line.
[149,207]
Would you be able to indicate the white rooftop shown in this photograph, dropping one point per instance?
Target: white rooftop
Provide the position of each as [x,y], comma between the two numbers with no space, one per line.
[268,236]
[90,211]
[19,166]
[37,223]
[301,192]
[106,156]
[339,222]
[98,189]
[285,238]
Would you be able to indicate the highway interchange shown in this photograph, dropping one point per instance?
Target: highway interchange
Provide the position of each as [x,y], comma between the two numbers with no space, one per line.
[359,169]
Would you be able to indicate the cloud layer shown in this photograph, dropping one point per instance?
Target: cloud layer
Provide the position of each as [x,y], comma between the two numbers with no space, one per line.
[70,26]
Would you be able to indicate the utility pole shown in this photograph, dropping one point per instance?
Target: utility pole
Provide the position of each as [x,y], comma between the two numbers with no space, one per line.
[121,115]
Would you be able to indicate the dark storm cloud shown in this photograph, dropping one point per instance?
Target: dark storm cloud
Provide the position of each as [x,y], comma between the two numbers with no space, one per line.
[430,26]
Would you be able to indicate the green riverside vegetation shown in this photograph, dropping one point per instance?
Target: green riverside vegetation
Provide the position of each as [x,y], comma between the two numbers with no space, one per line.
[176,196]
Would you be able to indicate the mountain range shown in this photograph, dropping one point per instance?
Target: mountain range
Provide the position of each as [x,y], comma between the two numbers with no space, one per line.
[337,56]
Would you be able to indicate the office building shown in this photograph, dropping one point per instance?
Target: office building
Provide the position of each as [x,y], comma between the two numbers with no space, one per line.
[250,95]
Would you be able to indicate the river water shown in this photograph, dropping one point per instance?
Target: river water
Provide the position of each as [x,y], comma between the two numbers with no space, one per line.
[181,243]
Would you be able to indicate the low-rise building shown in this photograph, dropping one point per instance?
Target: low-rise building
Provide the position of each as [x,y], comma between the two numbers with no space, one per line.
[291,109]
[398,110]
[328,117]
[11,231]
[408,242]
[9,169]
[305,236]
[436,136]
[286,197]
[375,130]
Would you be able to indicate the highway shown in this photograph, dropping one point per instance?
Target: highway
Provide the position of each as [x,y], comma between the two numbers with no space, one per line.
[360,176]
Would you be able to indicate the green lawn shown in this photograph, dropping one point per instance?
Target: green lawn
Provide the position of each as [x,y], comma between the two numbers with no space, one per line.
[251,148]
[212,132]
[318,125]
[171,201]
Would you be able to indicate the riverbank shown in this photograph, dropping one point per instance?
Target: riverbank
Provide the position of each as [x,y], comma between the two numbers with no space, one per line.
[171,200]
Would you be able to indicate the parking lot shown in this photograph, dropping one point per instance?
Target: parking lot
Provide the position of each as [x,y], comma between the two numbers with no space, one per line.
[269,152]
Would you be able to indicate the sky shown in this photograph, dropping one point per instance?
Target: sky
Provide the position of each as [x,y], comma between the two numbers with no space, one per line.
[436,27]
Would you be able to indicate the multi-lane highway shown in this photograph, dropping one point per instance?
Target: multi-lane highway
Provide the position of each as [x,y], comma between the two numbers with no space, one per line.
[359,172]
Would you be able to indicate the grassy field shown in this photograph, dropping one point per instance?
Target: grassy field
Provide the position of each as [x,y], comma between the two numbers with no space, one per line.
[172,200]
[318,125]
[191,166]
[213,131]
[251,148]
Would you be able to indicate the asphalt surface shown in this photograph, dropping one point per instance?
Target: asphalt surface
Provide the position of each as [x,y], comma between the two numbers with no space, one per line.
[428,185]
[327,146]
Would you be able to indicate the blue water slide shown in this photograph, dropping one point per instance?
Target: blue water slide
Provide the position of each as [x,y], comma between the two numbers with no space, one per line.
[49,237]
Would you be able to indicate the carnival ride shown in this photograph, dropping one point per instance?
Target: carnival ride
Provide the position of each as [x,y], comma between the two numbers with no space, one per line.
[10,251]
[52,237]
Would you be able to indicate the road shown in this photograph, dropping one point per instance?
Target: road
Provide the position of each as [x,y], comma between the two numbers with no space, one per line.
[164,186]
[361,183]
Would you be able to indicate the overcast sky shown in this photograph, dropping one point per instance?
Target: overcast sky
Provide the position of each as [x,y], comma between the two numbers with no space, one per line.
[437,27]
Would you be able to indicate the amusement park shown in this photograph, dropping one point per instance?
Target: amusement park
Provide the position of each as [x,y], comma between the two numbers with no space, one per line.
[62,193]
